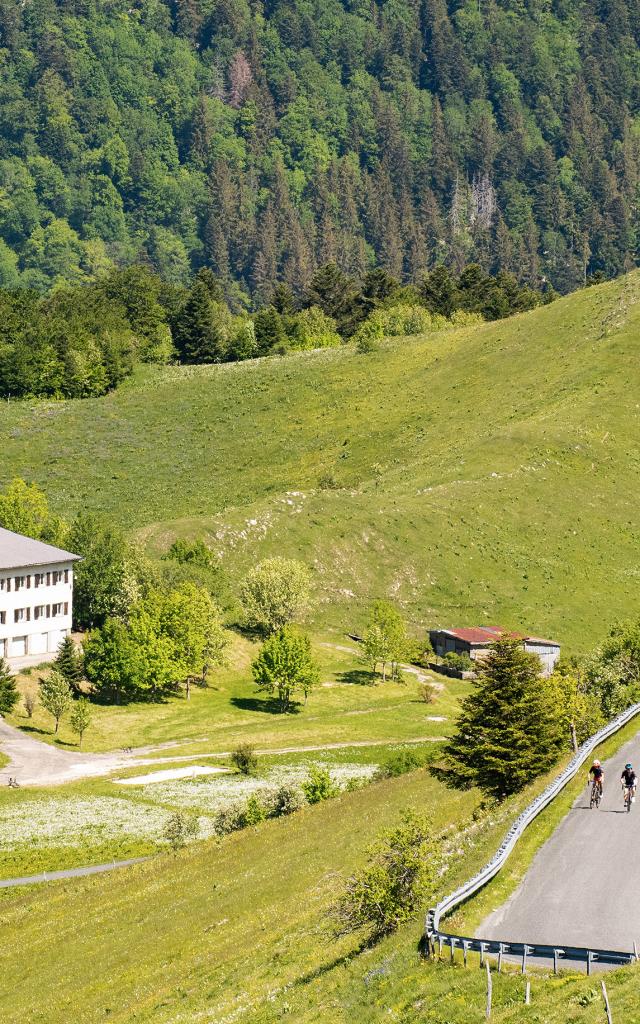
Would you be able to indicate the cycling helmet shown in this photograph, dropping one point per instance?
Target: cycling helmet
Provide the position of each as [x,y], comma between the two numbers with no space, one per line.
[627,766]
[596,763]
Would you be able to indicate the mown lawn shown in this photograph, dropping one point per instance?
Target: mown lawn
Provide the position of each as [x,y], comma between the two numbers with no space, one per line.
[475,475]
[345,708]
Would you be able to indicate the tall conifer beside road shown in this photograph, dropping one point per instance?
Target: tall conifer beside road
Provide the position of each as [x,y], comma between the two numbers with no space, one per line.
[509,730]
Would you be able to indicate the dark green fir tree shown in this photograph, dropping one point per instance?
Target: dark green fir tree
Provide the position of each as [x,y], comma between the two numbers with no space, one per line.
[69,664]
[509,730]
[9,695]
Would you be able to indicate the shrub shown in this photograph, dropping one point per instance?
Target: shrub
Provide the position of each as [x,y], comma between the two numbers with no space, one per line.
[229,819]
[319,785]
[245,759]
[461,318]
[254,812]
[180,829]
[287,800]
[400,762]
[368,335]
[312,328]
[397,879]
[427,692]
[459,662]
[30,703]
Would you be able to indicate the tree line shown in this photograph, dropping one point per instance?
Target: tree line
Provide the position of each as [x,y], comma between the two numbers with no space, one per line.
[84,340]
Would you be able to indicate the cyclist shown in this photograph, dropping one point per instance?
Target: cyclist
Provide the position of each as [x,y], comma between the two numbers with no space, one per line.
[629,781]
[596,772]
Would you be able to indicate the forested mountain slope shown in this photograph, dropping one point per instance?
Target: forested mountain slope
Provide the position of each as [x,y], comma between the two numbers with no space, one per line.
[484,474]
[263,138]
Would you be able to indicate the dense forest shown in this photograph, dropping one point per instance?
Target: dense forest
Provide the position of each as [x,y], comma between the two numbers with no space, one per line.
[265,138]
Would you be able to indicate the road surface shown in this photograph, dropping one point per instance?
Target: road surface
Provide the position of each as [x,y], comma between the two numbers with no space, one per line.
[582,887]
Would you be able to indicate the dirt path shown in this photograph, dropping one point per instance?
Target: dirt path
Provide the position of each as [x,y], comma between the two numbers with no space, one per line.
[34,763]
[421,676]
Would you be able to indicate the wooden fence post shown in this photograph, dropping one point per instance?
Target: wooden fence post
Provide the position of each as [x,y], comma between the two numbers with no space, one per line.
[489,989]
[606,1003]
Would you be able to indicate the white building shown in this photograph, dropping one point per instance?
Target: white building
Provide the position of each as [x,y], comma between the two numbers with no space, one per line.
[36,595]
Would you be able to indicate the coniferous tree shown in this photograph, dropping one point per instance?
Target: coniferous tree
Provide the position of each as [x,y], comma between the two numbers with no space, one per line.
[69,663]
[509,730]
[195,331]
[9,695]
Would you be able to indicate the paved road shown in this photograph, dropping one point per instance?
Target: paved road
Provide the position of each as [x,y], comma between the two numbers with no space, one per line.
[582,888]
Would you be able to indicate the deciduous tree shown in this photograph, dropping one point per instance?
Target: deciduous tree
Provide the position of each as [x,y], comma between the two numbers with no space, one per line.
[285,665]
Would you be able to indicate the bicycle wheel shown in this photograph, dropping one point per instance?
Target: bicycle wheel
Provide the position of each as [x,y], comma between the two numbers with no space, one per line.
[598,796]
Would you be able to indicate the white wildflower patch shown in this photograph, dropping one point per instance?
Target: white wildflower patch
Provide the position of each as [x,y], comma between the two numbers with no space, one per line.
[214,794]
[75,822]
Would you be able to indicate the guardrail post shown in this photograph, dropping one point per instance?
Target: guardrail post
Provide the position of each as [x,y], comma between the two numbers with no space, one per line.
[499,958]
[482,954]
[439,945]
[635,951]
[453,947]
[465,946]
[555,961]
[524,959]
[589,961]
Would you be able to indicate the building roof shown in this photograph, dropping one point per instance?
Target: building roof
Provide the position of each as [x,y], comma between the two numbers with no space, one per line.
[487,634]
[18,552]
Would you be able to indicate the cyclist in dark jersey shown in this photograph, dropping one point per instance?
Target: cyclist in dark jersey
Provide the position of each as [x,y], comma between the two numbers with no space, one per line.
[629,780]
[596,772]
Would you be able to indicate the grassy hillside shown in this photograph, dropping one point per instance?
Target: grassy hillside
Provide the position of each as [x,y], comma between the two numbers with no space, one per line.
[484,474]
[237,932]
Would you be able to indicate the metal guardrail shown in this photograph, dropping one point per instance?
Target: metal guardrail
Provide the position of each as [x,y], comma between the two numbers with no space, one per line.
[434,934]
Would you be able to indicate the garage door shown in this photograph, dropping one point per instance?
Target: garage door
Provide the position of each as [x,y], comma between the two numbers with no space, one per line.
[38,643]
[56,636]
[18,647]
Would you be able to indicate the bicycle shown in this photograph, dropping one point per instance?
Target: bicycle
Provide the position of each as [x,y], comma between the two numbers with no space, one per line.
[628,796]
[596,794]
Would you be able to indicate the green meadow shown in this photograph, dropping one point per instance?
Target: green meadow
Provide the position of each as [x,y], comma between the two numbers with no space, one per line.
[477,475]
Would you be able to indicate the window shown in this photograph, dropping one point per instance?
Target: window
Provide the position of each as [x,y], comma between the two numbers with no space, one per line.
[19,582]
[56,609]
[66,575]
[39,612]
[21,614]
[3,618]
[3,583]
[38,579]
[57,576]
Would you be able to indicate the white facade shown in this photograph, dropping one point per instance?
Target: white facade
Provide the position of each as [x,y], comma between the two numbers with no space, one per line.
[36,597]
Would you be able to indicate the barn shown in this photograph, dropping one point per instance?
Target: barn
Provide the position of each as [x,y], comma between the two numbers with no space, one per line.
[475,642]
